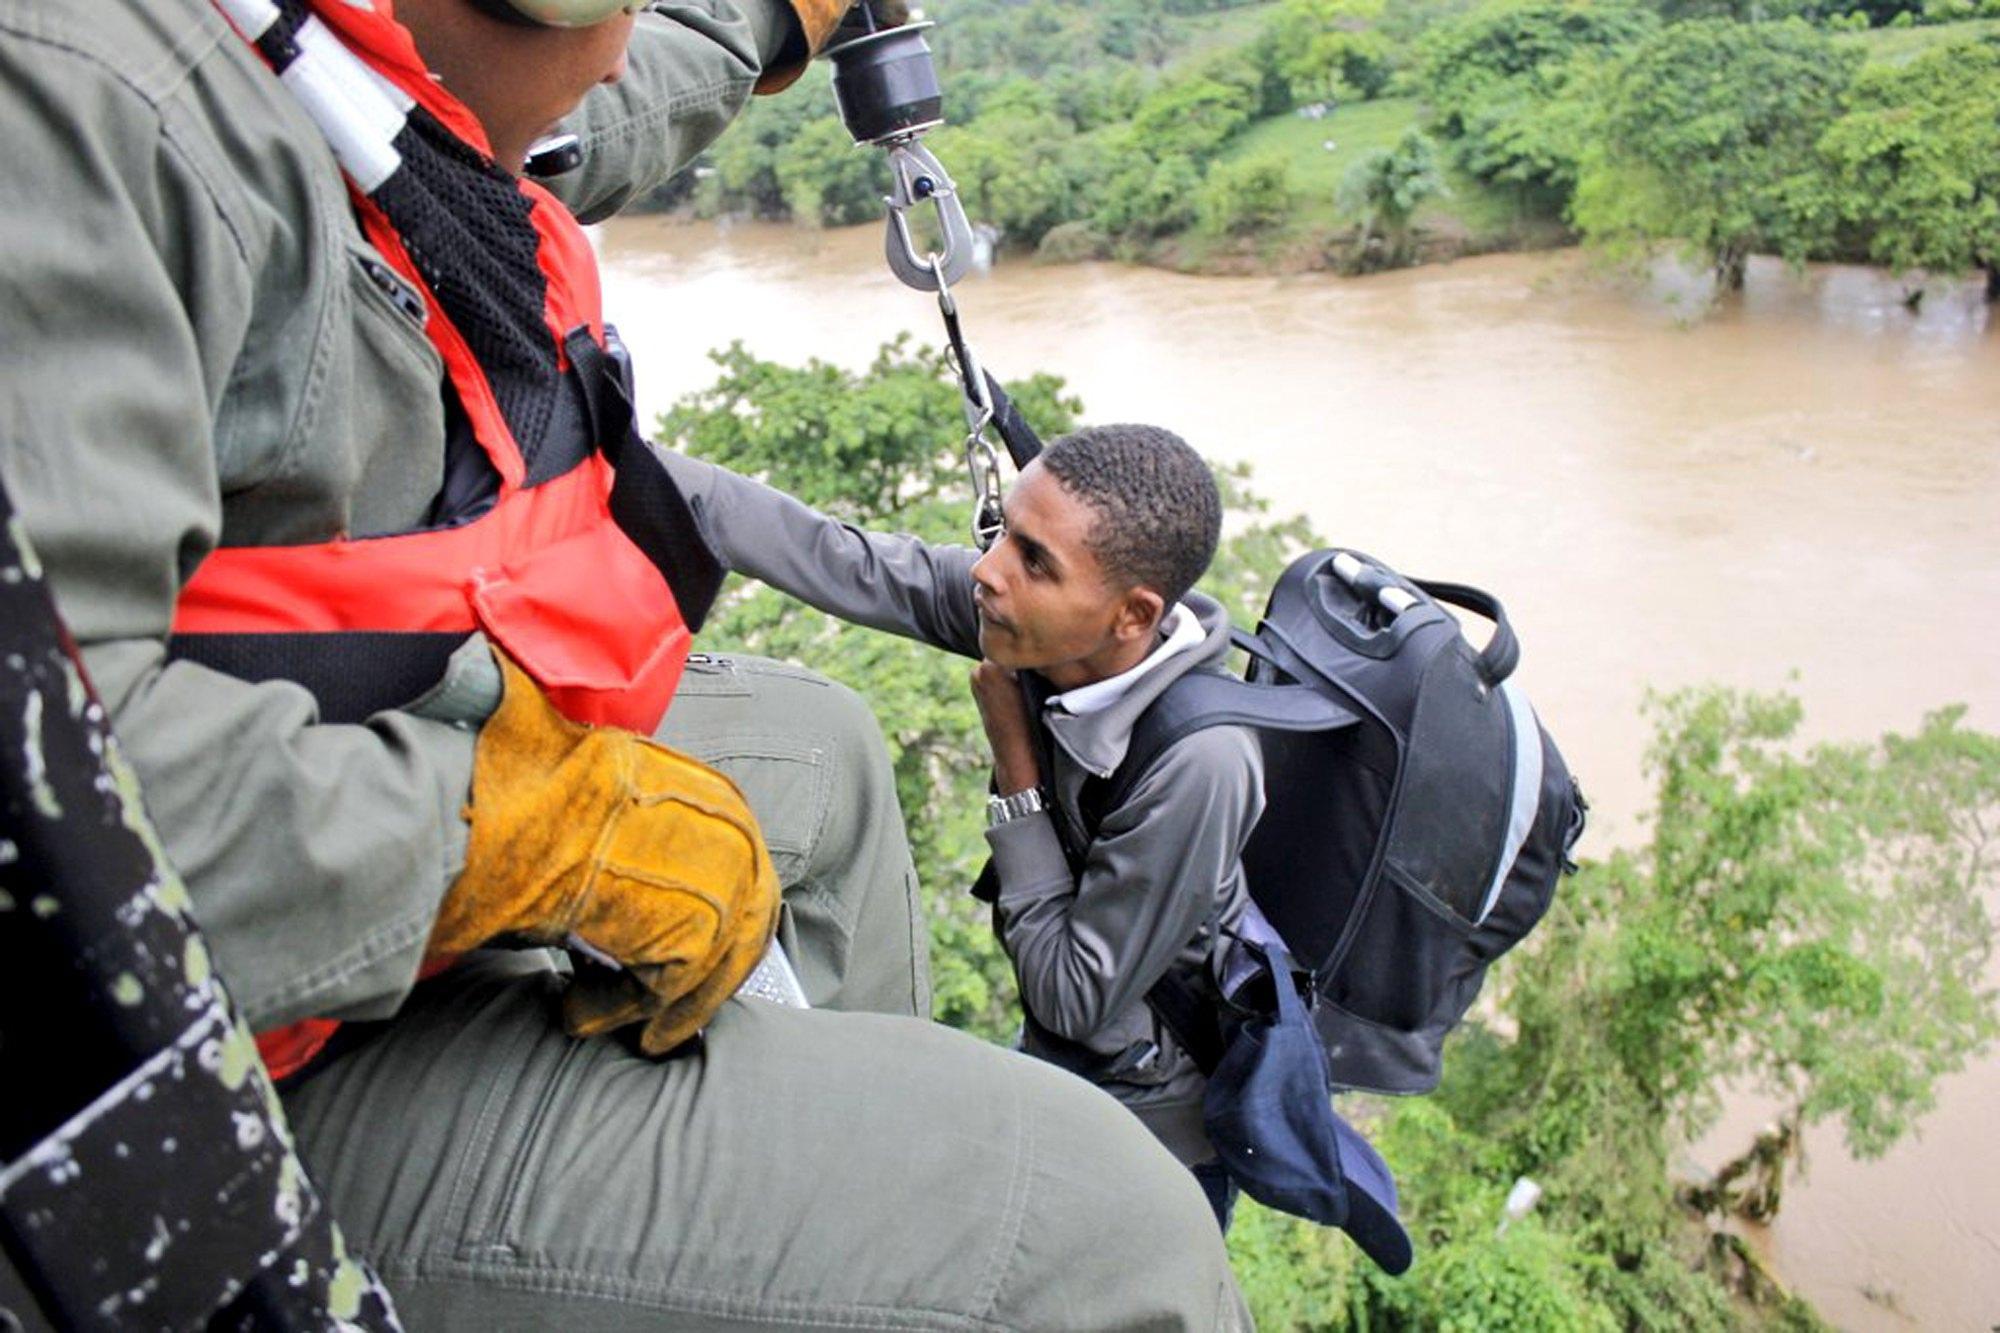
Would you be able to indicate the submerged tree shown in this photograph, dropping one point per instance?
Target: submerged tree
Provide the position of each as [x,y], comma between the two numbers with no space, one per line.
[1811,924]
[1706,135]
[1915,160]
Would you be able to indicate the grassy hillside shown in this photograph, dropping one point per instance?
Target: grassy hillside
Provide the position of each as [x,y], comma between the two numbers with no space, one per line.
[1224,30]
[1896,45]
[1475,216]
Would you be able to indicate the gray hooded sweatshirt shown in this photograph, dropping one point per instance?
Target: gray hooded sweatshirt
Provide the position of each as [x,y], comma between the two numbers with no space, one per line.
[1161,880]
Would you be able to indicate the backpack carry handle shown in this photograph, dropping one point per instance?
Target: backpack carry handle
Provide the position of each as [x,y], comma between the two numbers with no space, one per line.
[1503,651]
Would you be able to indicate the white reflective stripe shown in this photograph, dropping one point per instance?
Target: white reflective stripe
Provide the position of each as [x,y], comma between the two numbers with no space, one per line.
[253,18]
[349,109]
[368,91]
[1527,794]
[399,99]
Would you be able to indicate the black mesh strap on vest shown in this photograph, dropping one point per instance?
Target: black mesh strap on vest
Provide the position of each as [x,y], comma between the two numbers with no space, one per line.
[470,232]
[354,674]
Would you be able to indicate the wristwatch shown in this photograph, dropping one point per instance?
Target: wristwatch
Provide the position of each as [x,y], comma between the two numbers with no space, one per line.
[1001,809]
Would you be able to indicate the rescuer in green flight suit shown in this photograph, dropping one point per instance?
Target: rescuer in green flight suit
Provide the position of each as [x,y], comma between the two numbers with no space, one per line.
[196,354]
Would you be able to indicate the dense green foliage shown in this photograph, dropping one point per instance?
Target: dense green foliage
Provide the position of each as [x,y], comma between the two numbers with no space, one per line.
[1329,50]
[1805,923]
[1811,129]
[1707,134]
[1809,923]
[1502,83]
[1726,136]
[1915,159]
[1104,116]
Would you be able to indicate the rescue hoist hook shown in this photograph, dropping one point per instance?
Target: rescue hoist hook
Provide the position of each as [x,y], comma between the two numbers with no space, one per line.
[919,178]
[886,86]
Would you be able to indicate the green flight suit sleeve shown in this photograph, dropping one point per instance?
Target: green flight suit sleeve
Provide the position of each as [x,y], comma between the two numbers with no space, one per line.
[133,256]
[891,582]
[690,68]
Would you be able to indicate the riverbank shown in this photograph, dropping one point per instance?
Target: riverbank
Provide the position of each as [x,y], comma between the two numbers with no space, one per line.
[1226,150]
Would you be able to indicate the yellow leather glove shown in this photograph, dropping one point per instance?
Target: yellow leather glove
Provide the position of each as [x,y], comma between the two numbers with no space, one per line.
[644,854]
[818,20]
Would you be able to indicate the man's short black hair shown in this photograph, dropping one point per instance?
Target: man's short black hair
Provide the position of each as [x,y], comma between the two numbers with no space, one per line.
[1160,514]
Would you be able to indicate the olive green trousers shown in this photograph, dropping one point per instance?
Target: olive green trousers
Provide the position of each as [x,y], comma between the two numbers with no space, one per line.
[801,1169]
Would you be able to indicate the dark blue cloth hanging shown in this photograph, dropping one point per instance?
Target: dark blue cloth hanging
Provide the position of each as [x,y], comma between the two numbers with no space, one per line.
[1270,1116]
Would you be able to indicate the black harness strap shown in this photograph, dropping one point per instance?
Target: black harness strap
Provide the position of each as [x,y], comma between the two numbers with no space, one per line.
[1197,700]
[1019,437]
[371,672]
[645,502]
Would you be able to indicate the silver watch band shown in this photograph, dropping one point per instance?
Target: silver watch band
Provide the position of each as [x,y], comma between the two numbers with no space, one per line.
[1001,809]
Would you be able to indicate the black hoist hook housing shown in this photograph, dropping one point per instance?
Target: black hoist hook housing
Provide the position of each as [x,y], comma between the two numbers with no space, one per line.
[886,84]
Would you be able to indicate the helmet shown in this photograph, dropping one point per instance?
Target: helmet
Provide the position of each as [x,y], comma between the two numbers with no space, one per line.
[558,13]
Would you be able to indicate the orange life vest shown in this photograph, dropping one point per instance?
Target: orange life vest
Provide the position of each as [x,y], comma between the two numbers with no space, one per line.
[570,551]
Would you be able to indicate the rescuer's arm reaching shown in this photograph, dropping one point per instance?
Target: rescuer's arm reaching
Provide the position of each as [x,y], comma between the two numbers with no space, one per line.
[891,582]
[690,68]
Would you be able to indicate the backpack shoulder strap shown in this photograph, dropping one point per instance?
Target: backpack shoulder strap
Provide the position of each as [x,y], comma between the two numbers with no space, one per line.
[1211,697]
[1206,697]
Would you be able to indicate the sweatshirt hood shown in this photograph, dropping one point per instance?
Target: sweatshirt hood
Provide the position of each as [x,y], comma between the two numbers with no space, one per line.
[1098,741]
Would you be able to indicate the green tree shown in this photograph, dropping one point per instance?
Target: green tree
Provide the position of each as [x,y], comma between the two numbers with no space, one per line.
[1245,196]
[1504,84]
[1139,195]
[1385,188]
[743,172]
[827,181]
[1915,160]
[1329,50]
[1807,922]
[1706,135]
[1016,167]
[1192,117]
[1810,923]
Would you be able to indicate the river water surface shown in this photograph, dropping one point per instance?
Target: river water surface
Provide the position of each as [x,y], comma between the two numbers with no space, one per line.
[1800,490]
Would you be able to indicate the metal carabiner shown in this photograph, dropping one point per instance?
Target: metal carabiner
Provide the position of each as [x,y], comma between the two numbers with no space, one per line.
[918,177]
[983,462]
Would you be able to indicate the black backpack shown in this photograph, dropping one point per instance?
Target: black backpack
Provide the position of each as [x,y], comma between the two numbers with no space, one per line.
[1417,816]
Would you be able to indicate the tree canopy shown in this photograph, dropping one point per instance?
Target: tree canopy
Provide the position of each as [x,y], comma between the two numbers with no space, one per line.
[1504,83]
[1915,159]
[1707,134]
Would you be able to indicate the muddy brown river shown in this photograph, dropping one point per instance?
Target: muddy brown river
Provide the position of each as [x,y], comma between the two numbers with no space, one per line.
[1800,490]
